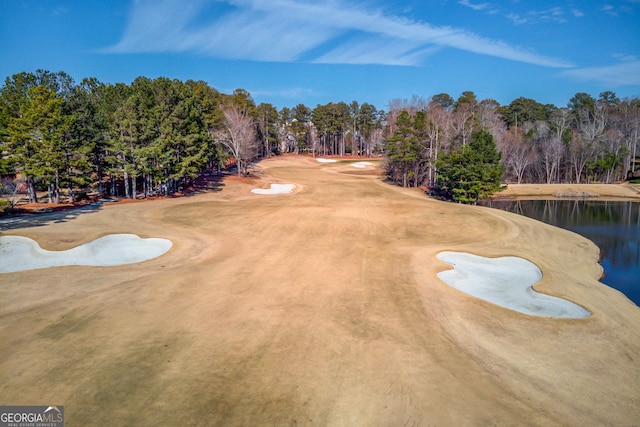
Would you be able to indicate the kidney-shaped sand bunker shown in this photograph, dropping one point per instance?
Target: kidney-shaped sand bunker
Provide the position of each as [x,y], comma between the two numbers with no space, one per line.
[275,189]
[507,282]
[21,253]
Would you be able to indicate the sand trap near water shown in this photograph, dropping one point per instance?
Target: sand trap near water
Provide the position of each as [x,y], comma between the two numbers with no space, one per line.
[507,282]
[275,189]
[19,253]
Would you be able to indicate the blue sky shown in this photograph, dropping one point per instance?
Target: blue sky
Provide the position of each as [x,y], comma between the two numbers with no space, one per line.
[287,52]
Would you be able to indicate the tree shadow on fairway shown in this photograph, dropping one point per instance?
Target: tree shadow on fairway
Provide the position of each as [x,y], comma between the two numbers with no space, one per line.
[206,183]
[42,219]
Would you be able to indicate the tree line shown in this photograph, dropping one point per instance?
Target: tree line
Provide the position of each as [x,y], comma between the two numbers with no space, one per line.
[589,140]
[155,136]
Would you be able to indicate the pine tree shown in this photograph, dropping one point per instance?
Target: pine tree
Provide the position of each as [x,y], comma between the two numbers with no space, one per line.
[471,172]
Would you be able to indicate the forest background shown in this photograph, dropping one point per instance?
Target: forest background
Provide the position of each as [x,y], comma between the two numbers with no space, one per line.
[155,136]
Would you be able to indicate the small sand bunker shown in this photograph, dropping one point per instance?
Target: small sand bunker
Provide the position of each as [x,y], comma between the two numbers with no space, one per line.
[275,189]
[362,165]
[21,253]
[322,160]
[507,282]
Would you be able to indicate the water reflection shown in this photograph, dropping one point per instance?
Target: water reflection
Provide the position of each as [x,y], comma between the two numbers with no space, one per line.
[613,226]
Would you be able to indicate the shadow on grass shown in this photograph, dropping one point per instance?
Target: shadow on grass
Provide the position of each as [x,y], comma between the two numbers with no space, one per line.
[42,219]
[206,183]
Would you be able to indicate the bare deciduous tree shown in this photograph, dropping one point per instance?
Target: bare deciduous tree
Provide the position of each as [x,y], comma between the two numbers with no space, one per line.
[551,152]
[518,155]
[629,124]
[9,188]
[239,136]
[462,122]
[438,130]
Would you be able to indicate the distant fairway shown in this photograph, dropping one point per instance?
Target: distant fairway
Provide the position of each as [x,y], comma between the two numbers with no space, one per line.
[317,307]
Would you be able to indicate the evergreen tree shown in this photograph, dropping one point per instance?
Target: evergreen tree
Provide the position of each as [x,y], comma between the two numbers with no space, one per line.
[470,172]
[88,134]
[208,103]
[183,137]
[36,136]
[406,154]
[267,121]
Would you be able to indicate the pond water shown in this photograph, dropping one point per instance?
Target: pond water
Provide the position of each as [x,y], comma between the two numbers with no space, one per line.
[613,226]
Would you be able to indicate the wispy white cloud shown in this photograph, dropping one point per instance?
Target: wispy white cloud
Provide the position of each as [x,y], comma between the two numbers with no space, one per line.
[157,27]
[552,15]
[61,11]
[609,9]
[294,30]
[625,73]
[625,56]
[388,51]
[516,19]
[478,6]
[618,9]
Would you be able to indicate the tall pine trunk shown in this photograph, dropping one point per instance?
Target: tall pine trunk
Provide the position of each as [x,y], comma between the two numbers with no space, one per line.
[113,185]
[69,188]
[100,189]
[31,190]
[127,191]
[56,189]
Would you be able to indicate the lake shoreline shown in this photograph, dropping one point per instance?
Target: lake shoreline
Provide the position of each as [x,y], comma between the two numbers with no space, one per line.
[617,192]
[611,224]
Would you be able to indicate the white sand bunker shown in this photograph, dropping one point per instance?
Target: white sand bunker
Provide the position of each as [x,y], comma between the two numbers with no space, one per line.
[361,165]
[275,189]
[21,253]
[322,160]
[507,282]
